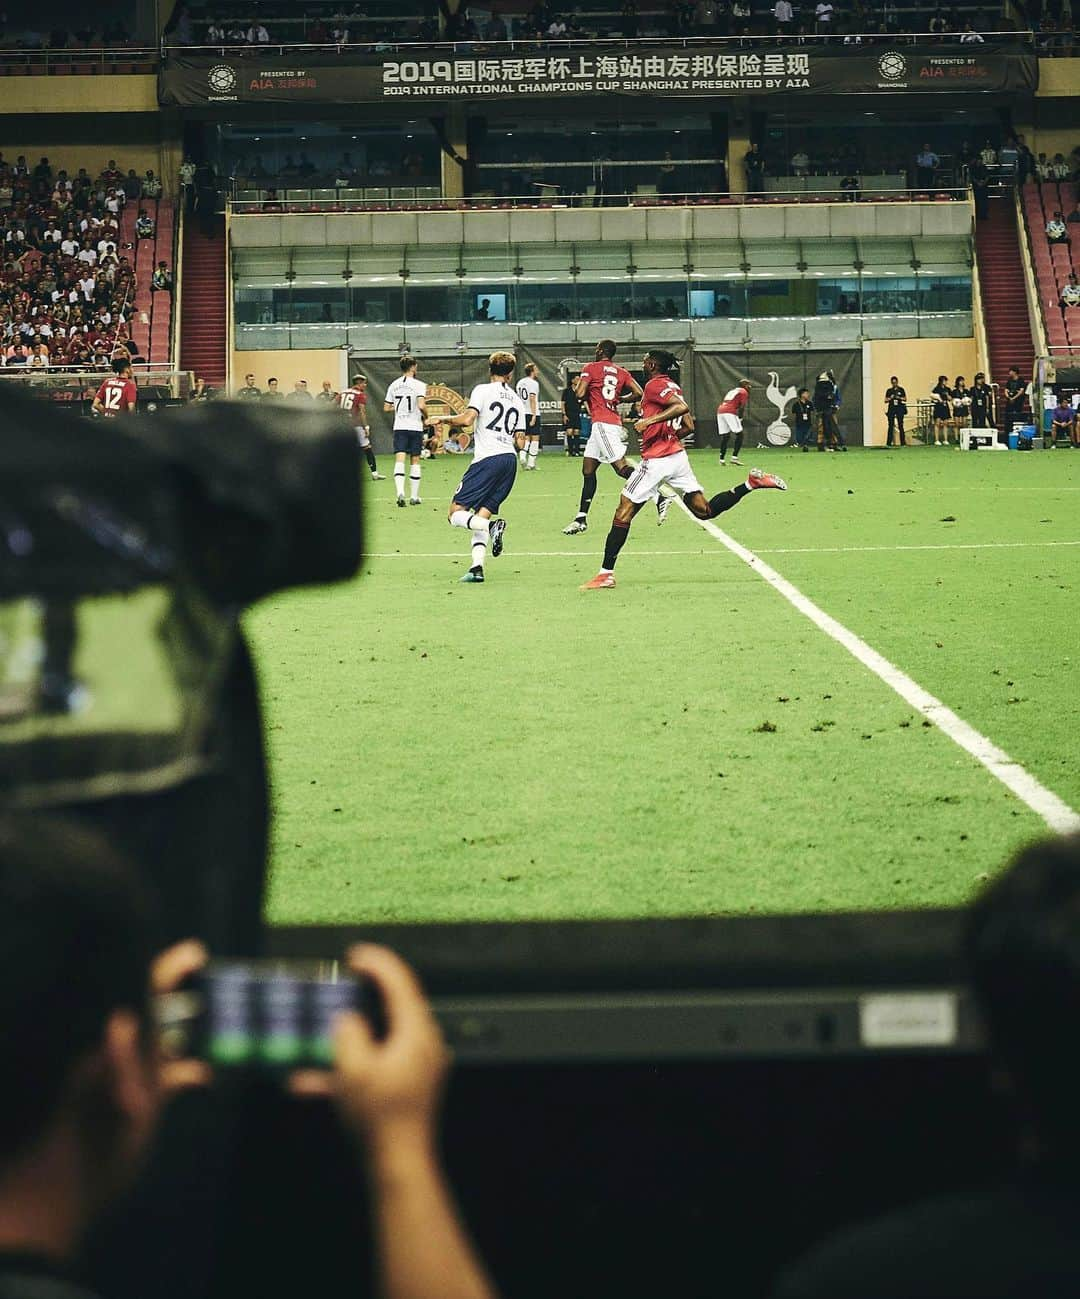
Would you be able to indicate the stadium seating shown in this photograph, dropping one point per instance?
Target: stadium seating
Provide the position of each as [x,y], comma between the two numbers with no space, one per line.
[1053,263]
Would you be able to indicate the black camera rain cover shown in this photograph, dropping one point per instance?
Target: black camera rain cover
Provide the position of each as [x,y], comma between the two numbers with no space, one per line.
[127,549]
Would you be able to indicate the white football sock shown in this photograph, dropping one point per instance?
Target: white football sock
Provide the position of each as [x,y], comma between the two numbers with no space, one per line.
[533,447]
[414,475]
[479,548]
[474,522]
[399,480]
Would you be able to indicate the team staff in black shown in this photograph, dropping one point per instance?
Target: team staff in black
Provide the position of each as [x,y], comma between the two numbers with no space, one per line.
[942,410]
[571,413]
[961,405]
[982,403]
[1015,392]
[802,412]
[895,410]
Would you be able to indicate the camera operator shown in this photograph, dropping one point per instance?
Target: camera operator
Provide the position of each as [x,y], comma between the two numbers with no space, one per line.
[83,1078]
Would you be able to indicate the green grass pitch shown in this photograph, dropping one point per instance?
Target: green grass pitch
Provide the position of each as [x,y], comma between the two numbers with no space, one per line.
[688,743]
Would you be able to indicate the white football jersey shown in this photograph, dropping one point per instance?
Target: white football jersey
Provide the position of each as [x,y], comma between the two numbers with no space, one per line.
[499,416]
[405,394]
[527,388]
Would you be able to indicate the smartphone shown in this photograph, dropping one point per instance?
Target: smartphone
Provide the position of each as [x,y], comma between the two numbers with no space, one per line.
[264,1014]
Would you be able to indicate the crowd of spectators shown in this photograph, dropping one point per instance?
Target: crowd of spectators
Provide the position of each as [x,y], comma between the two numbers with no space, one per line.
[67,280]
[94,36]
[852,22]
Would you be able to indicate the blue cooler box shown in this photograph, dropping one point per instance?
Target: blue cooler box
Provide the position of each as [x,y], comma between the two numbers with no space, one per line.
[1025,431]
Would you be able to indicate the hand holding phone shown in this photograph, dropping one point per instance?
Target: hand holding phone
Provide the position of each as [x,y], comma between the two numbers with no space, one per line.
[395,1083]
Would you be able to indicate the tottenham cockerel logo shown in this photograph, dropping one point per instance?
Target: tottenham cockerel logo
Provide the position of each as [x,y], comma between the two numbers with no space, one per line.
[779,433]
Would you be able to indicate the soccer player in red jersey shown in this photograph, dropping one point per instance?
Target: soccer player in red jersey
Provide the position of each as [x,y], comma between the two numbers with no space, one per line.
[354,401]
[729,419]
[118,394]
[663,460]
[601,385]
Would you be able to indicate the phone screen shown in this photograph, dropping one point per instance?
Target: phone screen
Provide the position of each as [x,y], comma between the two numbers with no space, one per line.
[273,1015]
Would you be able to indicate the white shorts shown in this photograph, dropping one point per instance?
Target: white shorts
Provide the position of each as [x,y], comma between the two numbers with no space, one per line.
[607,443]
[362,436]
[649,476]
[728,424]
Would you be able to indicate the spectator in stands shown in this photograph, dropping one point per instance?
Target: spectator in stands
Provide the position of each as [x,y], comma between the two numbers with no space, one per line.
[969,36]
[755,169]
[1070,292]
[272,392]
[1022,948]
[1025,162]
[327,393]
[1056,230]
[144,225]
[988,155]
[249,392]
[926,165]
[980,189]
[1009,156]
[300,392]
[850,186]
[1059,168]
[800,163]
[257,34]
[784,14]
[1042,167]
[200,392]
[151,185]
[79,1113]
[823,17]
[161,280]
[187,181]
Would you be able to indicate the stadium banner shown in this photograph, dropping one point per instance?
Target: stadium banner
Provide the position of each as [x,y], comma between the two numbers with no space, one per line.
[776,377]
[229,76]
[461,373]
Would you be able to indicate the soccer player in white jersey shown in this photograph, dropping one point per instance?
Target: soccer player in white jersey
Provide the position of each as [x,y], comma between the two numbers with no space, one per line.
[405,397]
[498,415]
[528,389]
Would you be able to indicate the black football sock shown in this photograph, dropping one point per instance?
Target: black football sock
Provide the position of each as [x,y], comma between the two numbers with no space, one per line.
[738,443]
[724,439]
[726,500]
[588,491]
[616,539]
[625,471]
[370,459]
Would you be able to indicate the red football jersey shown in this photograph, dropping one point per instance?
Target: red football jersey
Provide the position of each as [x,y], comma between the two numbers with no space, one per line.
[734,402]
[660,439]
[355,401]
[606,382]
[117,396]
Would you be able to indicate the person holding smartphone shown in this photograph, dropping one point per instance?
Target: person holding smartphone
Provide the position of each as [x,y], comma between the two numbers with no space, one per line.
[86,1075]
[895,411]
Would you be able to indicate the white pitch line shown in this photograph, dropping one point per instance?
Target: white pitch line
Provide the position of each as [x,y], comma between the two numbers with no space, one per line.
[1057,814]
[792,550]
[519,554]
[954,545]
